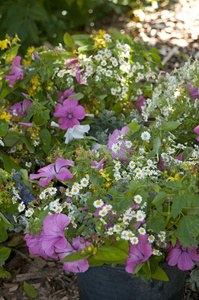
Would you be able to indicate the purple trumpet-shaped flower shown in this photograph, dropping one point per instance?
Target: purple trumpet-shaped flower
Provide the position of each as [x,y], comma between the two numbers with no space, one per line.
[99,165]
[138,253]
[56,170]
[193,91]
[70,112]
[72,61]
[20,109]
[16,70]
[182,256]
[65,95]
[196,129]
[116,143]
[53,234]
[139,103]
[76,266]
[34,244]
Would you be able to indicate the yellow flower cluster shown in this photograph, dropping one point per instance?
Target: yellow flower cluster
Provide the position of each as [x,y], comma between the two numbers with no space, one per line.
[5,116]
[99,40]
[3,44]
[35,84]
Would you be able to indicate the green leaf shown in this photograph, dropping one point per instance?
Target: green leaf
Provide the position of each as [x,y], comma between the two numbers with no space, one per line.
[68,40]
[110,253]
[159,200]
[4,221]
[155,222]
[8,163]
[123,245]
[170,125]
[160,274]
[97,181]
[188,229]
[178,202]
[13,138]
[37,12]
[174,184]
[3,234]
[45,136]
[75,256]
[133,126]
[78,96]
[4,254]
[29,289]
[3,127]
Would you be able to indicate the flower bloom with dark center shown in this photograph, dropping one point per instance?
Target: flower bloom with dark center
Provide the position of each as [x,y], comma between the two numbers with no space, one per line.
[70,112]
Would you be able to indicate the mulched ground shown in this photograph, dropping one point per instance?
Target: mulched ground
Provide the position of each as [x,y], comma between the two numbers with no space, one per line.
[173,28]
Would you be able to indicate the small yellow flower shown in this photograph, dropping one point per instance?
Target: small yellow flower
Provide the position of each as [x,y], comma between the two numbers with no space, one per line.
[5,116]
[26,62]
[3,44]
[31,50]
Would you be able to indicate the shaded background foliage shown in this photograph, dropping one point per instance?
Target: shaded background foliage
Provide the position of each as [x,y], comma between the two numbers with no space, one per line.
[37,21]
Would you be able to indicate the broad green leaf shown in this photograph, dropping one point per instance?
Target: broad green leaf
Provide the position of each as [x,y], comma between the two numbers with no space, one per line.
[170,125]
[4,221]
[37,12]
[68,40]
[8,163]
[156,222]
[3,233]
[133,126]
[173,184]
[46,140]
[123,245]
[4,254]
[3,127]
[188,229]
[160,274]
[159,199]
[110,253]
[93,263]
[75,256]
[13,138]
[77,96]
[98,181]
[178,202]
[29,289]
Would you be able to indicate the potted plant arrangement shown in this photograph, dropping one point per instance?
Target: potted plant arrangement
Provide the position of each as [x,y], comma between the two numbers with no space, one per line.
[132,202]
[125,205]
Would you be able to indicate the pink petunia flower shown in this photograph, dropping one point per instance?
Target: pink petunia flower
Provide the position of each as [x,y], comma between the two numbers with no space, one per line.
[34,244]
[76,266]
[20,109]
[117,138]
[56,170]
[182,256]
[72,61]
[99,165]
[138,253]
[139,103]
[193,91]
[16,70]
[70,112]
[65,95]
[53,234]
[196,129]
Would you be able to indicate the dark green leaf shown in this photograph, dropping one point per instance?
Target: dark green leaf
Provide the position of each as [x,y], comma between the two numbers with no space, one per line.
[68,40]
[8,163]
[178,202]
[133,126]
[177,185]
[4,221]
[4,254]
[75,256]
[188,229]
[3,127]
[160,274]
[170,125]
[78,96]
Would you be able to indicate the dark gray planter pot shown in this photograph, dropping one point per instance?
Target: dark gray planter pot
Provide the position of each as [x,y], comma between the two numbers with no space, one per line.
[106,283]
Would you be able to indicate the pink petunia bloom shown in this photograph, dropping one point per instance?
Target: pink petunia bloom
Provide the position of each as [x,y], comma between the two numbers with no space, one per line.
[193,91]
[16,70]
[182,256]
[56,170]
[99,165]
[36,55]
[34,245]
[70,112]
[196,129]
[53,234]
[138,253]
[20,109]
[139,103]
[117,138]
[72,61]
[76,266]
[65,95]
